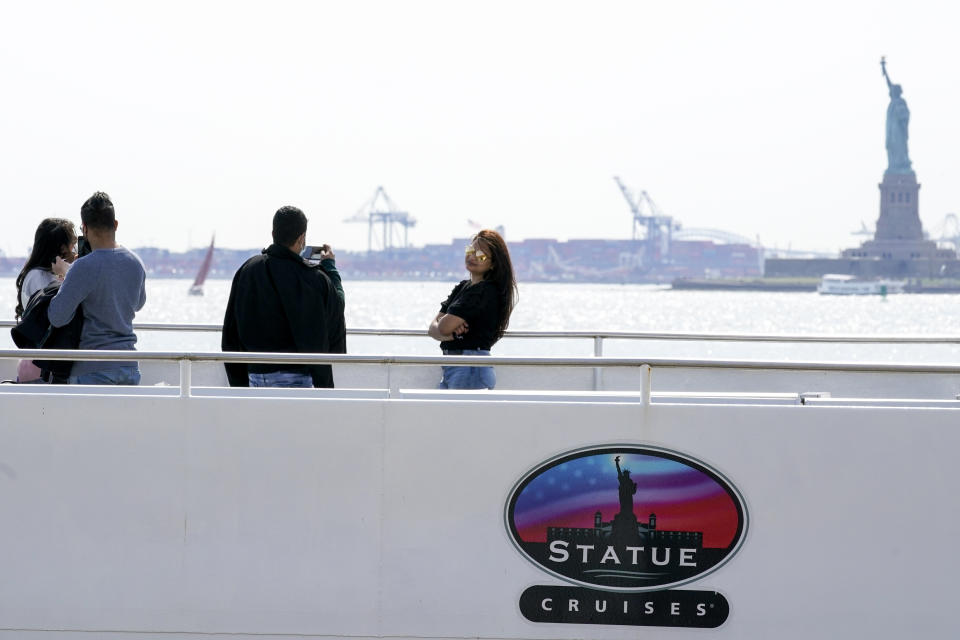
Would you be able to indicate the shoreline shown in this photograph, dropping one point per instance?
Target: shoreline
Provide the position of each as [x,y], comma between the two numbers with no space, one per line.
[796,285]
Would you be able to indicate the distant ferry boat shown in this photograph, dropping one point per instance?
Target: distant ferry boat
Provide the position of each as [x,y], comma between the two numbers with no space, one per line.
[845,285]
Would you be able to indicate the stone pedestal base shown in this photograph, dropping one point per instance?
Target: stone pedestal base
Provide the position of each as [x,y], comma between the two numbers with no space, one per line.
[899,237]
[900,250]
[899,209]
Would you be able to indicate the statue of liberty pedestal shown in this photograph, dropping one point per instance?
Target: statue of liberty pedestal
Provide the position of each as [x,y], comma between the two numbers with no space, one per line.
[898,121]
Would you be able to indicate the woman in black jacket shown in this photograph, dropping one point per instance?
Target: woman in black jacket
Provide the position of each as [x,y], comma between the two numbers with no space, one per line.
[54,238]
[476,313]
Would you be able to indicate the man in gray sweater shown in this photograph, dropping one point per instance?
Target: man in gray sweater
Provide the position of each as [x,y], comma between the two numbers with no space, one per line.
[107,285]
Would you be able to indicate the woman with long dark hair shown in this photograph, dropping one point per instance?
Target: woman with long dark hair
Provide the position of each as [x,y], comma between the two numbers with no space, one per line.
[476,313]
[55,238]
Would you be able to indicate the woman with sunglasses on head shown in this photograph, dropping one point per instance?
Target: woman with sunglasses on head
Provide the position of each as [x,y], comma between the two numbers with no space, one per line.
[55,238]
[477,311]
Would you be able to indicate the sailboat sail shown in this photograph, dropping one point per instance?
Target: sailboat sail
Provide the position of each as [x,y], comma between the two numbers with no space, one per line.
[197,288]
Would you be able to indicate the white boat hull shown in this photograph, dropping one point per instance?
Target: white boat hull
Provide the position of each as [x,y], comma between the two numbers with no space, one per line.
[266,513]
[848,285]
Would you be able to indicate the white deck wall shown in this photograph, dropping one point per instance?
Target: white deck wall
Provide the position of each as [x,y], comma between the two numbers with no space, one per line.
[327,517]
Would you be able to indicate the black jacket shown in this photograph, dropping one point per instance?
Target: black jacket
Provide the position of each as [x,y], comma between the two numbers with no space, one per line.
[281,303]
[34,331]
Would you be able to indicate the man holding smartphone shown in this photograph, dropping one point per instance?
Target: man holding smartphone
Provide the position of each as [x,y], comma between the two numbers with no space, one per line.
[281,302]
[108,287]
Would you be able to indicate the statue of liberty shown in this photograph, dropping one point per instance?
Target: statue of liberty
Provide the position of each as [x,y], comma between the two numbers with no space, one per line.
[898,120]
[627,488]
[624,529]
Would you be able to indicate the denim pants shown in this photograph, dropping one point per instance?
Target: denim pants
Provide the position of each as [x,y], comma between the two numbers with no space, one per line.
[281,379]
[460,377]
[119,375]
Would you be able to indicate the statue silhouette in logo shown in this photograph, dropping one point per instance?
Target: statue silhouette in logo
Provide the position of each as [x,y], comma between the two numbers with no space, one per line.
[625,529]
[898,121]
[627,488]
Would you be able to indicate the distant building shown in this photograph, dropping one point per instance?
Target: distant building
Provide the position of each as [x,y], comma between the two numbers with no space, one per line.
[550,260]
[534,260]
[649,534]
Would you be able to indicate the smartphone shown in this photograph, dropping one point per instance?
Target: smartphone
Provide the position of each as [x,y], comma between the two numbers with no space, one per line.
[83,247]
[312,253]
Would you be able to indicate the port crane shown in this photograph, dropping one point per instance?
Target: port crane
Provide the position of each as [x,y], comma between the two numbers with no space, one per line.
[864,230]
[949,230]
[649,222]
[380,210]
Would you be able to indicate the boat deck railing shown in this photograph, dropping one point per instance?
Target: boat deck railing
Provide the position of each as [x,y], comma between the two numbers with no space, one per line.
[599,337]
[804,377]
[886,381]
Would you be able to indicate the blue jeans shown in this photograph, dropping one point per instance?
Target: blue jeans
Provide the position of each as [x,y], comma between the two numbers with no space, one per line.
[281,379]
[461,377]
[120,375]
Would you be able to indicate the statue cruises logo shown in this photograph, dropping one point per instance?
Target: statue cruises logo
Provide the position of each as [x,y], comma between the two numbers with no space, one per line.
[629,520]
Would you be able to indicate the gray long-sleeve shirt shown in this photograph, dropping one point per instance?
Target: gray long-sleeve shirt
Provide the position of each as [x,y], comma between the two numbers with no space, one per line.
[108,286]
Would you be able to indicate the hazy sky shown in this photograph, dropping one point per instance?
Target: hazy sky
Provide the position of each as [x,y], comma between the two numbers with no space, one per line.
[760,118]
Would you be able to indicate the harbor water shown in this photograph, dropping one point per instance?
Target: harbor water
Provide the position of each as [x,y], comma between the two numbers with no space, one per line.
[599,308]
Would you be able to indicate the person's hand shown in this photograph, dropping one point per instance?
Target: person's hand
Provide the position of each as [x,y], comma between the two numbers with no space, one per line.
[326,253]
[461,329]
[60,267]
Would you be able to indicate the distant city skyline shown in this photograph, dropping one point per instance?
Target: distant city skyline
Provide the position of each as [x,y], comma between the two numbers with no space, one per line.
[534,260]
[756,118]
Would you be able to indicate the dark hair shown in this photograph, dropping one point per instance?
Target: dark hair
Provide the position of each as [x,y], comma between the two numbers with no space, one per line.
[97,212]
[289,223]
[501,274]
[51,236]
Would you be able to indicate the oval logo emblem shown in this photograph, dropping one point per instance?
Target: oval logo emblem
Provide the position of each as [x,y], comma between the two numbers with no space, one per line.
[626,518]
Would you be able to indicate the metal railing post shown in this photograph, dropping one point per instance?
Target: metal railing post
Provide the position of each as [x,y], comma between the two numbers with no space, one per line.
[185,377]
[645,386]
[598,371]
[393,386]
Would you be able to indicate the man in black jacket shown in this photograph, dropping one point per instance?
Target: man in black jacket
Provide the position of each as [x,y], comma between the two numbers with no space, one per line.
[280,302]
